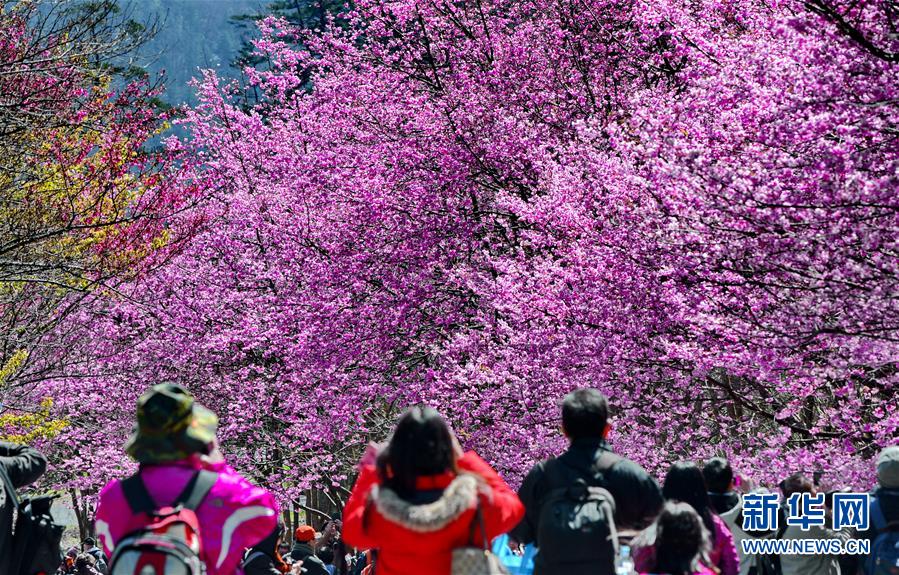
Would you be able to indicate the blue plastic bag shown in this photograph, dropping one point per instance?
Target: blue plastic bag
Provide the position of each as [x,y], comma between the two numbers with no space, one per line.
[516,564]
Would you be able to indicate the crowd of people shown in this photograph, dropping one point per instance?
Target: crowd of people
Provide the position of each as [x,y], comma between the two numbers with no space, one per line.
[424,506]
[88,560]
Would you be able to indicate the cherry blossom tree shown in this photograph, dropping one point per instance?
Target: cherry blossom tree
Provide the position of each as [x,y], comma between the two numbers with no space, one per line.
[482,205]
[87,200]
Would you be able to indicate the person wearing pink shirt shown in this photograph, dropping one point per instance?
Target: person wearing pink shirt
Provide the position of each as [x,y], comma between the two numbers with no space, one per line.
[175,442]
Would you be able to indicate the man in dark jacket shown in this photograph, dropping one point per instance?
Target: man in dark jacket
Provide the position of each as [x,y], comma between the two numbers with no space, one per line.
[637,496]
[23,465]
[304,537]
[719,478]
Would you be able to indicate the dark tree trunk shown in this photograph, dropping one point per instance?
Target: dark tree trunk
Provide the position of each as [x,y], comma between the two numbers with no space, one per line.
[83,514]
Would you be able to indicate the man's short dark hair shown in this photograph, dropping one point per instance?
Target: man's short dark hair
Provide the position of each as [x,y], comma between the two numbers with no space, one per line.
[797,483]
[585,413]
[718,475]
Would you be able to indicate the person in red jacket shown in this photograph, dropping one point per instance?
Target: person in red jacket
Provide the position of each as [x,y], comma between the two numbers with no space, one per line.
[416,500]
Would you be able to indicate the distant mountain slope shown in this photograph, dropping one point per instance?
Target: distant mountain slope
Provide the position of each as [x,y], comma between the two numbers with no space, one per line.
[193,34]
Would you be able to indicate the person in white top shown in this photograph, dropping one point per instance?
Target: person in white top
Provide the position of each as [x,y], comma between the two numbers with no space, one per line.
[809,564]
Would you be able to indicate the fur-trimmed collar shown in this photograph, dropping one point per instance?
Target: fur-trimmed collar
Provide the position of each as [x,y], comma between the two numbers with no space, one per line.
[458,497]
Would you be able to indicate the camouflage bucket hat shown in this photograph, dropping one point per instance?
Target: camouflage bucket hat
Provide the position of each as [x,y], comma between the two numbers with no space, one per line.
[170,426]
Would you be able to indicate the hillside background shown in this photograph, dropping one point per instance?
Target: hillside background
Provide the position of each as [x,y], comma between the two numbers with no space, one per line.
[193,34]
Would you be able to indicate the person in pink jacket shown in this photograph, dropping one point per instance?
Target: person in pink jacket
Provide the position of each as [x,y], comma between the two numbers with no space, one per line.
[175,439]
[685,483]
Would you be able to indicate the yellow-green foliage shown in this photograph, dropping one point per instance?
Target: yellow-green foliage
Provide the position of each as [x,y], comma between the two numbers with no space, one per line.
[26,427]
[22,427]
[73,188]
[12,365]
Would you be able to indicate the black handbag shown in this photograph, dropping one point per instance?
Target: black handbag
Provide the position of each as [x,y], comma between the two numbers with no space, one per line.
[36,538]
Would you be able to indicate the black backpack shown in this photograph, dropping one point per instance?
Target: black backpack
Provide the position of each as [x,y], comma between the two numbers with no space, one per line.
[576,529]
[36,537]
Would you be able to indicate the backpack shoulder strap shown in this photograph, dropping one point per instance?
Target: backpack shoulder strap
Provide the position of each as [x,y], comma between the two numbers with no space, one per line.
[197,489]
[878,521]
[10,488]
[136,494]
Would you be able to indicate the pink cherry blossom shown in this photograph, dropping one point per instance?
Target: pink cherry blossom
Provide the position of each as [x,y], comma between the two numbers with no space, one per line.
[482,205]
